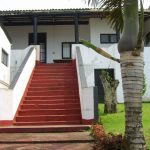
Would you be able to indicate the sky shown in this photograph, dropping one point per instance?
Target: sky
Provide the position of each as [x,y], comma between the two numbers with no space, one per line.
[47,4]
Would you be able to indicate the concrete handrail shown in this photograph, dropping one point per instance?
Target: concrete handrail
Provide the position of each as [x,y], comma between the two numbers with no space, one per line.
[81,68]
[16,77]
[87,94]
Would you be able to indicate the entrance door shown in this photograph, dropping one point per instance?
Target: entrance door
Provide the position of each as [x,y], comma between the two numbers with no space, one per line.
[41,40]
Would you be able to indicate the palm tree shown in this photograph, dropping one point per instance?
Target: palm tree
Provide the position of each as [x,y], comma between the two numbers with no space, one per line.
[124,16]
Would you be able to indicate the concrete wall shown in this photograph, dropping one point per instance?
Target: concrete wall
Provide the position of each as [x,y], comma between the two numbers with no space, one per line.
[99,26]
[17,56]
[6,104]
[92,60]
[10,98]
[55,36]
[146,96]
[4,70]
[86,92]
[24,77]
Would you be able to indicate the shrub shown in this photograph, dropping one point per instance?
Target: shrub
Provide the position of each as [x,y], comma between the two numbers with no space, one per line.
[108,141]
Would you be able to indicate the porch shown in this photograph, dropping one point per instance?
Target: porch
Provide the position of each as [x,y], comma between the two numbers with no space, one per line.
[54,30]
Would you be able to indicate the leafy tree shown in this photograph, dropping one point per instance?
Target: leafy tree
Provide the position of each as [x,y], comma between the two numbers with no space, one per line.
[124,16]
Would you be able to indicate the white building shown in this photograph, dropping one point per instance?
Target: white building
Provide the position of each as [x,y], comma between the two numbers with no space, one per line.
[58,33]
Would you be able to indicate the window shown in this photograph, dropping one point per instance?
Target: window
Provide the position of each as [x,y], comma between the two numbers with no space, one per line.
[66,50]
[147,41]
[108,38]
[4,57]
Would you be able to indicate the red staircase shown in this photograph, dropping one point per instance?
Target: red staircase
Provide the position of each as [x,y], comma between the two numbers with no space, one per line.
[52,97]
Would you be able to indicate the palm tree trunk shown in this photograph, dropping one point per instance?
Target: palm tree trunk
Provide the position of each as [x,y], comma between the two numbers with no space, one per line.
[132,77]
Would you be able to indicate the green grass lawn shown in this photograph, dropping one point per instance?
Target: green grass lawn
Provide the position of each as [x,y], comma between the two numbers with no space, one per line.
[115,122]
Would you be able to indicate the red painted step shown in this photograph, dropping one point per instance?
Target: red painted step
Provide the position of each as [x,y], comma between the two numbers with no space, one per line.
[55,65]
[58,69]
[50,106]
[44,129]
[47,88]
[55,70]
[52,92]
[49,111]
[55,74]
[54,81]
[52,97]
[55,101]
[53,77]
[48,118]
[54,84]
[74,122]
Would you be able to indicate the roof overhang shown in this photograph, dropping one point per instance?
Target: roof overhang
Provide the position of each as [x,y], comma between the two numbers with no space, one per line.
[53,16]
[49,17]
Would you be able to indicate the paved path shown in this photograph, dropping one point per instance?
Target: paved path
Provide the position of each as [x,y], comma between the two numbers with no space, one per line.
[46,141]
[65,146]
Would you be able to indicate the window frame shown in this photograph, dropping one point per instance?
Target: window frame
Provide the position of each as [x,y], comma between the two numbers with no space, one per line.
[109,38]
[70,45]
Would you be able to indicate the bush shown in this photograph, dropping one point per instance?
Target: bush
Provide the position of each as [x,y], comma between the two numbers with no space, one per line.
[108,141]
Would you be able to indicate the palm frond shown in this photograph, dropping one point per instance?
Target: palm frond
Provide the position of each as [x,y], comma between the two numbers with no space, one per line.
[115,19]
[93,2]
[114,8]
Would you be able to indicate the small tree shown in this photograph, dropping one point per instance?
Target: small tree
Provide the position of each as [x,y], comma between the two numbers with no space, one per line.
[110,85]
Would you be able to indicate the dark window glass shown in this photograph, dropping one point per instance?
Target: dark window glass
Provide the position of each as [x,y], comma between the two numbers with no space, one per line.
[4,57]
[148,39]
[108,38]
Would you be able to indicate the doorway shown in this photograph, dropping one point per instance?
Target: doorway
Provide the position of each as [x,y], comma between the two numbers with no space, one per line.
[41,40]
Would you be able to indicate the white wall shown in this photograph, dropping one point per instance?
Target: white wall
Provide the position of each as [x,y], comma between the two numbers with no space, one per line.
[99,26]
[86,92]
[147,73]
[17,56]
[92,60]
[24,77]
[4,70]
[10,98]
[19,36]
[55,36]
[6,104]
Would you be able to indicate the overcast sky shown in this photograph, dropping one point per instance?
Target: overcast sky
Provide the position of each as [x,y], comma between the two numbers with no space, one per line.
[47,4]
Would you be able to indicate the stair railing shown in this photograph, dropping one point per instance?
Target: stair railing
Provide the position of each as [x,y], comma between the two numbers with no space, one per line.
[88,94]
